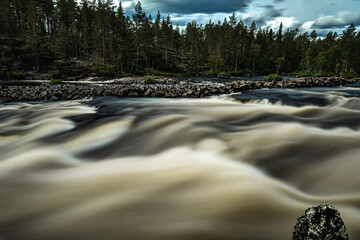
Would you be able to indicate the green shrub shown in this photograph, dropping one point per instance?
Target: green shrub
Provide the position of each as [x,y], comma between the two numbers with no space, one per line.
[16,75]
[2,71]
[190,73]
[55,81]
[223,74]
[149,80]
[240,73]
[210,73]
[138,72]
[151,71]
[216,63]
[109,71]
[273,77]
[349,75]
[301,74]
[106,73]
[319,74]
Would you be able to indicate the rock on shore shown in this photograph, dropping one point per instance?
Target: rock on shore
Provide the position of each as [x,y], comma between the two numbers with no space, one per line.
[160,88]
[320,223]
[16,93]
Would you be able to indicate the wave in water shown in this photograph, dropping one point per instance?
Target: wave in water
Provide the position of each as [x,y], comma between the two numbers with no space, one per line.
[175,169]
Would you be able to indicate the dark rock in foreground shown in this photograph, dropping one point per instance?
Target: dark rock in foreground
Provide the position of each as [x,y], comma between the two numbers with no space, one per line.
[320,223]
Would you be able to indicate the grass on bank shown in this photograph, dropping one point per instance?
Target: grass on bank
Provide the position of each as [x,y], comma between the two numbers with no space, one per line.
[347,75]
[151,79]
[16,75]
[154,72]
[272,77]
[110,71]
[55,81]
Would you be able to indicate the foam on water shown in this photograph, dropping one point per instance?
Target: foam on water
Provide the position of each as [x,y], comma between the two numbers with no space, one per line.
[176,169]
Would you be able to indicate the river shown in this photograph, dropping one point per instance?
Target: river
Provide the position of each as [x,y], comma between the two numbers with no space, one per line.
[241,166]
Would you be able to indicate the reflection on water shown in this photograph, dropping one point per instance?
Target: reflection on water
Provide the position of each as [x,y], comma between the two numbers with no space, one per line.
[235,167]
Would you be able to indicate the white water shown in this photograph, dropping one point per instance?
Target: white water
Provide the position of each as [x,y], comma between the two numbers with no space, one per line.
[177,169]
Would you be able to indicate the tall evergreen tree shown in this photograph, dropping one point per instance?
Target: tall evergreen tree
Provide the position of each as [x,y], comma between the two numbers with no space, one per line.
[139,18]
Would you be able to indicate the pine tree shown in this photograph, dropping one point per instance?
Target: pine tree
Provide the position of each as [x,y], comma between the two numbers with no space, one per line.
[65,44]
[278,41]
[139,18]
[86,28]
[348,40]
[33,33]
[157,39]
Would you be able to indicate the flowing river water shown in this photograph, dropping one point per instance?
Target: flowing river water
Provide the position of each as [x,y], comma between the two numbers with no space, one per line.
[242,166]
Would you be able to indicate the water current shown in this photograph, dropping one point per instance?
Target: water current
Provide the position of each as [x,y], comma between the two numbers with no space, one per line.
[241,166]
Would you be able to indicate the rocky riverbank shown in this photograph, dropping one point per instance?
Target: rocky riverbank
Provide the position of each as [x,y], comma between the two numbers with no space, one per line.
[134,87]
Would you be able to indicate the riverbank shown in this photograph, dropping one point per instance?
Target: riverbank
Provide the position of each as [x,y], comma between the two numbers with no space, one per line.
[135,87]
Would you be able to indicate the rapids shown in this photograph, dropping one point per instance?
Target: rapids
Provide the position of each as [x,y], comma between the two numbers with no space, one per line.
[242,166]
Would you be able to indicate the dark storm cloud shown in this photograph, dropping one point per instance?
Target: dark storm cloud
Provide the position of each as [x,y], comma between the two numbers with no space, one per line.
[269,13]
[198,6]
[327,22]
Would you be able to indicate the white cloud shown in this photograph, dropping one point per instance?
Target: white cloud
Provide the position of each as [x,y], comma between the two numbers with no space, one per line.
[307,27]
[127,4]
[288,22]
[269,13]
[200,18]
[341,20]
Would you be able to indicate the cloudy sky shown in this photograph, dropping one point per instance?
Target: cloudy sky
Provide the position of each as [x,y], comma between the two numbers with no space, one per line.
[321,15]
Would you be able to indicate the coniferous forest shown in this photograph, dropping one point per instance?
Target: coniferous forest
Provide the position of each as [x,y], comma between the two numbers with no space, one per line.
[70,38]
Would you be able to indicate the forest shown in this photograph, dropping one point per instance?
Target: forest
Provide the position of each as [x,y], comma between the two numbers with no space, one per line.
[69,38]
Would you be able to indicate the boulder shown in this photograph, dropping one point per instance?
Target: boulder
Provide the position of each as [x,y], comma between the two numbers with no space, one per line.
[320,223]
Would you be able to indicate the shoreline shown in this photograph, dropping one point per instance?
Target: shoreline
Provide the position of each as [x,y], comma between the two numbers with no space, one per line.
[25,91]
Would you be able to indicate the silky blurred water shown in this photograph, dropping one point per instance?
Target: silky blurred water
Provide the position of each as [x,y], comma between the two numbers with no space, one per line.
[242,166]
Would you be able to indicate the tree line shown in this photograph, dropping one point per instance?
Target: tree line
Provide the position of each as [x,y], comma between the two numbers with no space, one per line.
[67,37]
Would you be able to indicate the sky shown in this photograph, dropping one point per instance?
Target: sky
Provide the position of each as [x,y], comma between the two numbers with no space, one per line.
[306,15]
